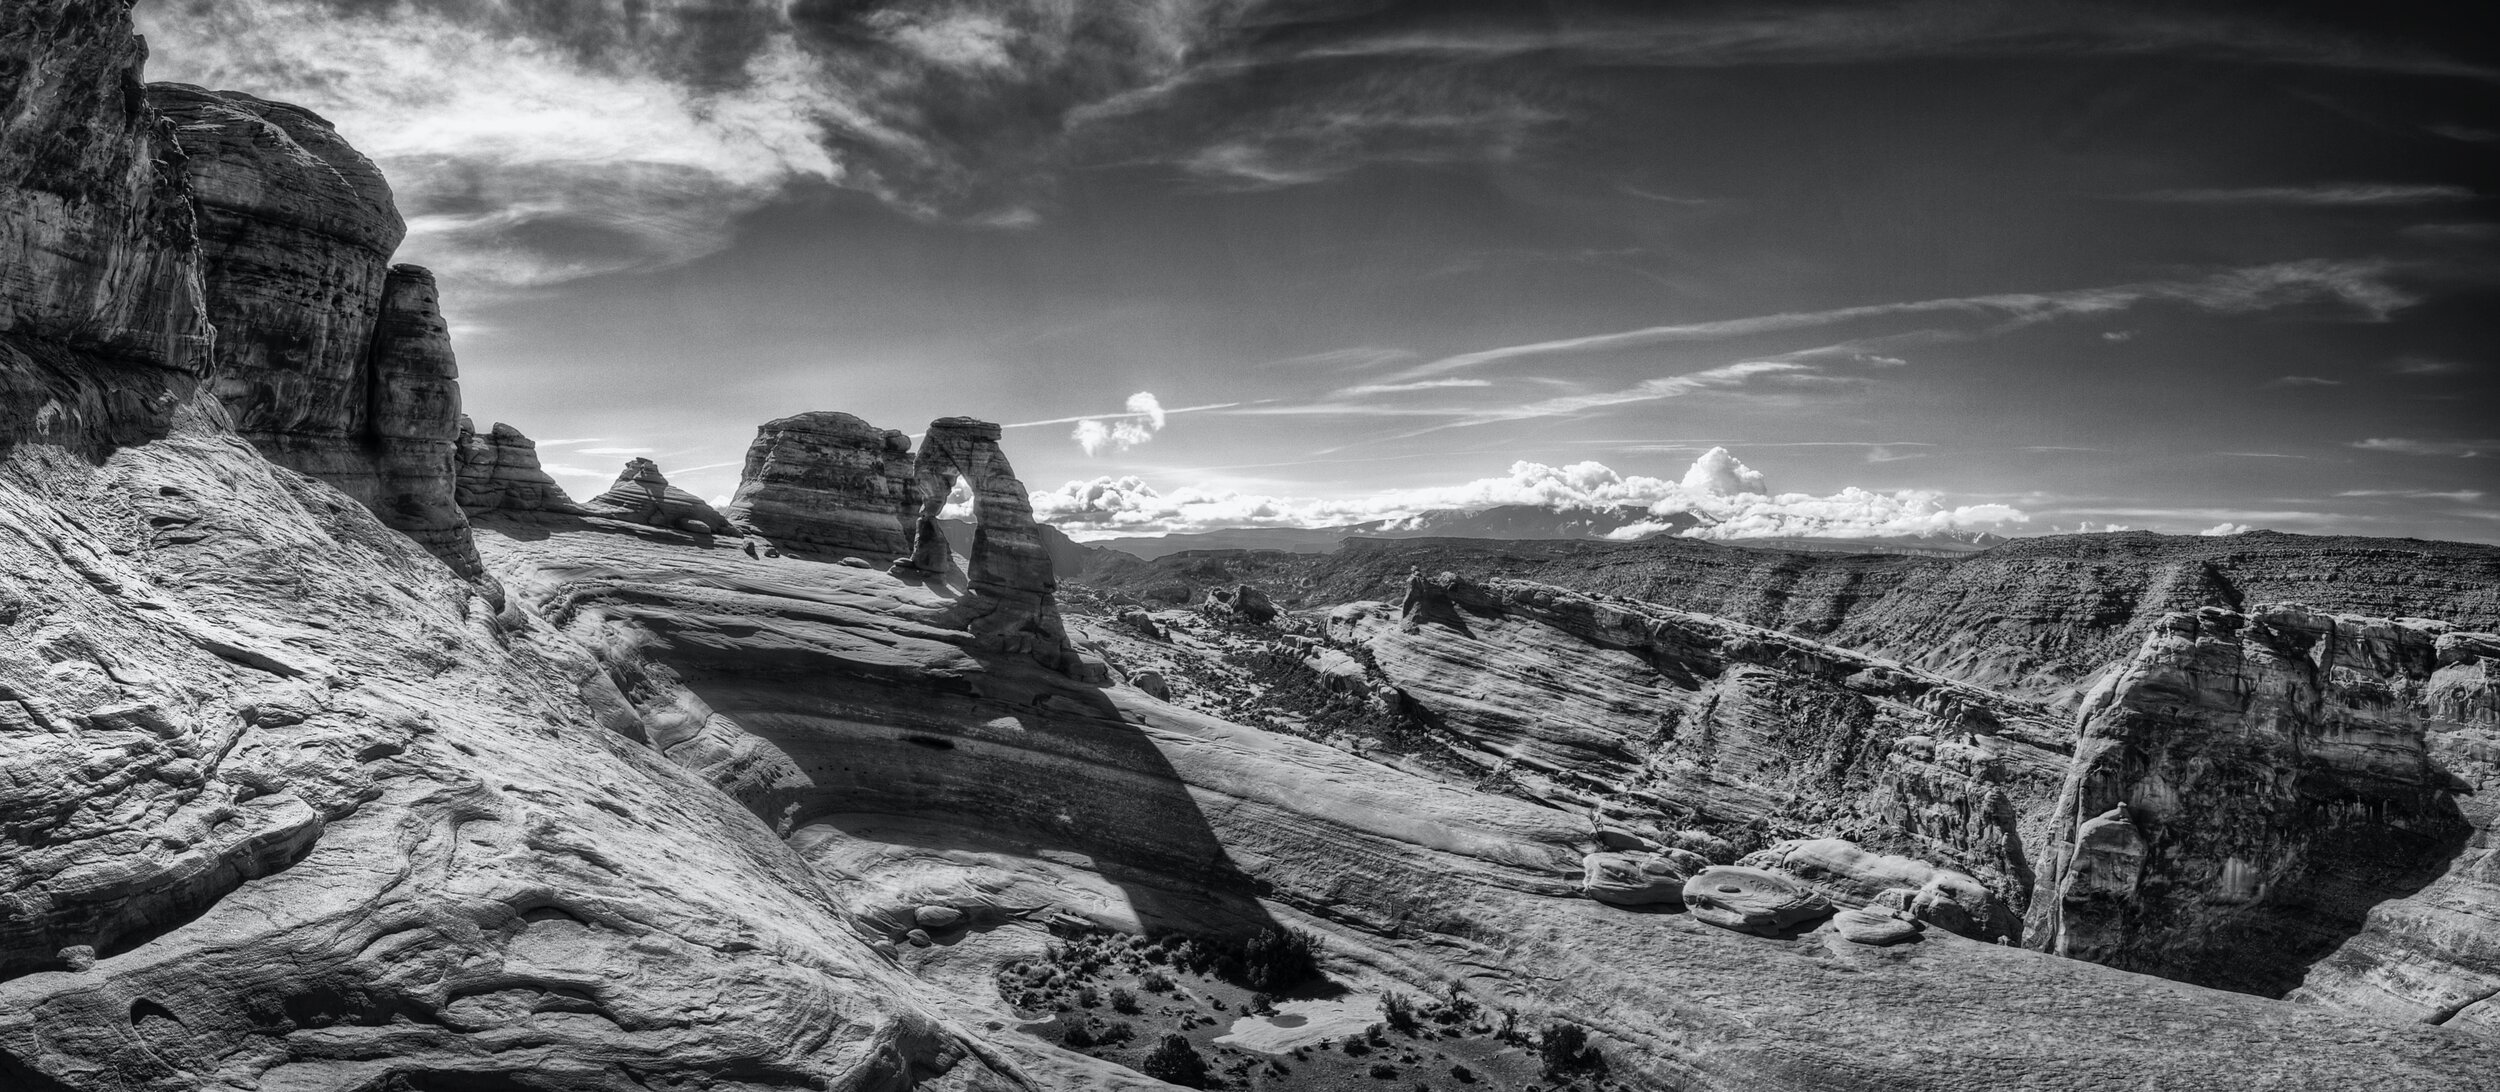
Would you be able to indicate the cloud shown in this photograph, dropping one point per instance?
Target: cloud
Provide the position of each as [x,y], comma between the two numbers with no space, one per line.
[2226,528]
[1419,385]
[2346,194]
[1144,418]
[1731,500]
[2117,335]
[2303,381]
[2355,285]
[614,450]
[1718,473]
[2461,496]
[2423,365]
[562,470]
[2467,133]
[2466,449]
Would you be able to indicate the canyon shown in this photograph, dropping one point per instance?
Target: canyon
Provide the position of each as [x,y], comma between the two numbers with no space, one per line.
[340,748]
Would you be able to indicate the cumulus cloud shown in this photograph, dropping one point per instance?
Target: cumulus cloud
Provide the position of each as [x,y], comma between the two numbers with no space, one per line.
[1119,433]
[2226,528]
[1728,498]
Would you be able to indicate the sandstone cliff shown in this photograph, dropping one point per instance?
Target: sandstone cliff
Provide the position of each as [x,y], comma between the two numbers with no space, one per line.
[2250,791]
[829,485]
[329,359]
[642,495]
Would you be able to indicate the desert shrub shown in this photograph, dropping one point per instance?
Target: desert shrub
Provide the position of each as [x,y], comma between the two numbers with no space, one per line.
[1383,1071]
[1398,1012]
[1564,1048]
[1263,1004]
[1356,1048]
[1078,1036]
[1460,1073]
[1172,1060]
[1088,996]
[1156,982]
[1115,1034]
[1277,959]
[1124,1000]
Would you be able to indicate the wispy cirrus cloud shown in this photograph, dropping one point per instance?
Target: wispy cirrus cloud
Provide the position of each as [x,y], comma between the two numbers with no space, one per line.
[2302,381]
[2461,496]
[2337,194]
[2401,445]
[2361,287]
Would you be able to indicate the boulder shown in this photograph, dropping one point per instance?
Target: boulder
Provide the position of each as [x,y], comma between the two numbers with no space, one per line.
[499,471]
[1852,876]
[1143,623]
[826,483]
[1752,900]
[937,918]
[1876,928]
[1637,878]
[1152,682]
[642,495]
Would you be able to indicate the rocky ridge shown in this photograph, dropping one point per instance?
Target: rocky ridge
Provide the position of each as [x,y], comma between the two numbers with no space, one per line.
[642,495]
[499,471]
[829,485]
[288,803]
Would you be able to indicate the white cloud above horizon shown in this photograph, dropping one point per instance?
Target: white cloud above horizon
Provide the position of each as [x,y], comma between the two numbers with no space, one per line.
[1731,498]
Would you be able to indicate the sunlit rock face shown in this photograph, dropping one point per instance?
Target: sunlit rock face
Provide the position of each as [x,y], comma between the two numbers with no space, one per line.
[642,495]
[829,484]
[2256,793]
[1008,602]
[1682,720]
[331,360]
[499,471]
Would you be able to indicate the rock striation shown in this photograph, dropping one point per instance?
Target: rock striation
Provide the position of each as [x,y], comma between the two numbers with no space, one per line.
[103,325]
[1681,721]
[642,495]
[499,472]
[1919,891]
[329,359]
[2255,793]
[1009,601]
[828,484]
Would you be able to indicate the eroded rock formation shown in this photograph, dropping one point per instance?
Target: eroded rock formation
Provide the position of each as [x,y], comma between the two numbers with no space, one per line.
[642,495]
[330,360]
[1680,720]
[827,485]
[103,325]
[499,472]
[2252,790]
[1008,601]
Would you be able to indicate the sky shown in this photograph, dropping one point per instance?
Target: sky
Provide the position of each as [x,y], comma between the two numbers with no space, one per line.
[1837,269]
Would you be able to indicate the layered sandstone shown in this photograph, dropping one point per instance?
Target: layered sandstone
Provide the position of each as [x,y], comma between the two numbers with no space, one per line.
[499,471]
[829,485]
[103,329]
[1008,600]
[642,495]
[331,360]
[1684,721]
[2254,792]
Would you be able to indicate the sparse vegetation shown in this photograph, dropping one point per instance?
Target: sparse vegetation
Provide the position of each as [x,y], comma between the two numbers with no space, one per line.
[1176,1061]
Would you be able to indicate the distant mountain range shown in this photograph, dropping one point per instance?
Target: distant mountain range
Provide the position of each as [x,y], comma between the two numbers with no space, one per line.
[1519,522]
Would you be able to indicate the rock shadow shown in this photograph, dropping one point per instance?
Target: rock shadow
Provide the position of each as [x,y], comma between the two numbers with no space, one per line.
[1014,750]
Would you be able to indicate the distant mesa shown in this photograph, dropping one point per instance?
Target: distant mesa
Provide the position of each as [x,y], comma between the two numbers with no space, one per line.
[642,495]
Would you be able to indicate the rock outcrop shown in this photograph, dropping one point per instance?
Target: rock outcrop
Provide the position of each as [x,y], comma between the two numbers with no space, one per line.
[103,324]
[642,495]
[1009,600]
[331,360]
[499,472]
[1920,891]
[1637,877]
[826,485]
[1681,721]
[1751,900]
[2252,790]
